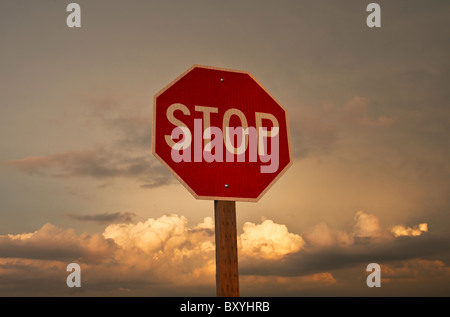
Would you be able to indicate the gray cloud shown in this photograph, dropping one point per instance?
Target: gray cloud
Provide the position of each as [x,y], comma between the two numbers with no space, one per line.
[159,256]
[129,154]
[311,260]
[105,217]
[173,256]
[114,112]
[56,244]
[312,135]
[99,163]
[136,131]
[316,129]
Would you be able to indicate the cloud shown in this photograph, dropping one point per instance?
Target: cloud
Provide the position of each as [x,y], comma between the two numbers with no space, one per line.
[161,254]
[368,227]
[317,130]
[135,129]
[102,104]
[367,241]
[268,240]
[400,230]
[311,260]
[127,155]
[100,163]
[355,111]
[312,132]
[166,245]
[416,269]
[53,243]
[167,256]
[120,114]
[105,217]
[285,286]
[322,236]
[158,255]
[164,234]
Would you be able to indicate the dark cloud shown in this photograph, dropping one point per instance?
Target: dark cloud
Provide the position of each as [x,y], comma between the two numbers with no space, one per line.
[312,136]
[105,217]
[317,129]
[53,243]
[100,163]
[101,104]
[173,256]
[114,112]
[159,256]
[310,261]
[135,130]
[129,154]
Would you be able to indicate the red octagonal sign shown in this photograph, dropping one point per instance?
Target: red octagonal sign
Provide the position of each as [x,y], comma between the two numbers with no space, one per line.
[221,134]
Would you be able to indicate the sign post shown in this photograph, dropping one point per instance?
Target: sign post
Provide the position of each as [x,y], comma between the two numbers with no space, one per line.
[225,138]
[227,274]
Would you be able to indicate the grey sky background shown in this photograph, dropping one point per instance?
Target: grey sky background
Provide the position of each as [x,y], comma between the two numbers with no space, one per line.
[368,109]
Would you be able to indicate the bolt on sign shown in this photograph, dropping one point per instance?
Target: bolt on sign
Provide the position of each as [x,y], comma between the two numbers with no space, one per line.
[221,134]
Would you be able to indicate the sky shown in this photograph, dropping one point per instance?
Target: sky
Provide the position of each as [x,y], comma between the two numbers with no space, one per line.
[369,121]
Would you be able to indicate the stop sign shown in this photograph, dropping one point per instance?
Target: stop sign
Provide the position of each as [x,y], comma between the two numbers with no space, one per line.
[221,134]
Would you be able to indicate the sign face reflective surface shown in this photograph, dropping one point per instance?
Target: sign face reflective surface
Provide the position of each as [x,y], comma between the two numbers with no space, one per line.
[221,134]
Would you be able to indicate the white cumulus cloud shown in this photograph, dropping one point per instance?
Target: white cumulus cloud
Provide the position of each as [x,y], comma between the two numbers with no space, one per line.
[401,230]
[268,240]
[368,227]
[323,236]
